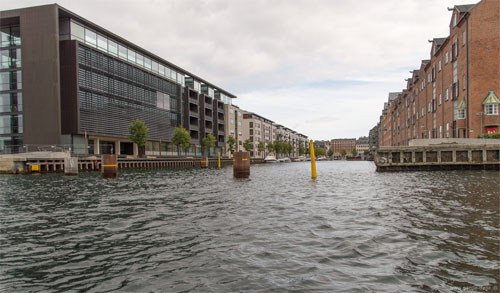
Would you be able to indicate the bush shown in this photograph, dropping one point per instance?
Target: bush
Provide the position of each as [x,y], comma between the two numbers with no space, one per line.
[495,135]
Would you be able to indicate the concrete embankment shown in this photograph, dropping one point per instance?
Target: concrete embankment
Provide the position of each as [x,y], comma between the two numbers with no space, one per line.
[54,162]
[443,156]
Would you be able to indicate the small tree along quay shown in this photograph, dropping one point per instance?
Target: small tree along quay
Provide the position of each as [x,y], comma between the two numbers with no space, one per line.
[139,135]
[302,150]
[248,145]
[208,142]
[330,152]
[270,147]
[181,139]
[343,152]
[231,142]
[354,152]
[261,146]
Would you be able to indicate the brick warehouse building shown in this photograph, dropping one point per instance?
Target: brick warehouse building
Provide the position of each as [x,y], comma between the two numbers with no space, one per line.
[77,80]
[454,94]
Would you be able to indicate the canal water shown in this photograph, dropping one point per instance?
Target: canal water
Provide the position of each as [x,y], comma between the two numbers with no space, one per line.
[199,230]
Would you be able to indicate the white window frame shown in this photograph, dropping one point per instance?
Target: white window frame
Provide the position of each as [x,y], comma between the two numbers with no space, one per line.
[491,109]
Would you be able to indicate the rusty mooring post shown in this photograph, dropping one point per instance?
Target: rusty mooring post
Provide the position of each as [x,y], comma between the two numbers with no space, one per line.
[241,164]
[109,166]
[204,162]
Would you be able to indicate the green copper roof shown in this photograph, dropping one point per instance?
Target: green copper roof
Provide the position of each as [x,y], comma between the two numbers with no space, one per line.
[461,106]
[491,98]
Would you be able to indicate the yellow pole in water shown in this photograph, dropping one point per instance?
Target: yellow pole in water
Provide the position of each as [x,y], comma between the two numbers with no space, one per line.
[218,159]
[313,162]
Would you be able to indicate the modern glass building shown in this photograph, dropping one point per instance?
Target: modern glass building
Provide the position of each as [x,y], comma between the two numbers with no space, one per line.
[84,85]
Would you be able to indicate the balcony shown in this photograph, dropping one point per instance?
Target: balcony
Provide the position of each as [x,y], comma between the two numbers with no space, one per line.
[491,120]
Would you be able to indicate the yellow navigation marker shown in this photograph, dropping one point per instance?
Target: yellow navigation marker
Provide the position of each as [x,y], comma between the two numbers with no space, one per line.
[313,162]
[218,159]
[35,168]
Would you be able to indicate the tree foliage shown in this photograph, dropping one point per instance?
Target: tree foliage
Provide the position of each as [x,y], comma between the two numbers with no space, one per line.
[354,152]
[138,132]
[261,146]
[319,152]
[278,147]
[302,150]
[270,147]
[181,138]
[231,142]
[248,145]
[343,152]
[330,152]
[208,142]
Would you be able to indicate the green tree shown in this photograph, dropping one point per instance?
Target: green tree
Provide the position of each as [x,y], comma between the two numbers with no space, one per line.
[319,152]
[302,150]
[139,135]
[289,149]
[343,152]
[181,139]
[248,145]
[330,152]
[354,152]
[261,146]
[366,152]
[308,151]
[231,142]
[208,142]
[278,147]
[270,147]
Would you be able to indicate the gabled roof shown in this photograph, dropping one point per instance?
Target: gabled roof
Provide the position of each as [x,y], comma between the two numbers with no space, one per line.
[464,8]
[461,106]
[491,98]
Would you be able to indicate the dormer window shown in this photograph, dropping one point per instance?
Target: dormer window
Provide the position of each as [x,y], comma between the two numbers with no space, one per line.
[491,104]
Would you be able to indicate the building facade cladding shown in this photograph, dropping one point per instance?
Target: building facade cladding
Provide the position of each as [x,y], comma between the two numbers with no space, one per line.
[100,84]
[447,95]
[234,127]
[373,137]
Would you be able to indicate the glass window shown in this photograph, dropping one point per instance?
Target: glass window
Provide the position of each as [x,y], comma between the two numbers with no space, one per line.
[131,56]
[491,109]
[102,43]
[147,63]
[155,66]
[161,69]
[122,52]
[77,31]
[140,59]
[90,37]
[173,76]
[231,111]
[167,72]
[112,48]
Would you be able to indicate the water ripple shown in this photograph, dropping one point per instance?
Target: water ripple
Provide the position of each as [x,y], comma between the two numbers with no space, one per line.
[352,230]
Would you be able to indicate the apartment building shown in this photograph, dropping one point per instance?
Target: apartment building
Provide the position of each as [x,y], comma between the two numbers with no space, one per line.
[454,93]
[234,126]
[257,129]
[362,145]
[339,144]
[80,85]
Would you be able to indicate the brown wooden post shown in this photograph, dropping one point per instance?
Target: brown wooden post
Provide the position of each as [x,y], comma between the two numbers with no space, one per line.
[204,162]
[109,166]
[241,165]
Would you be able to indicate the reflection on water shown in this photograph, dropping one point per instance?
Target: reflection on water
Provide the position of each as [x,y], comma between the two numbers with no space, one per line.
[352,230]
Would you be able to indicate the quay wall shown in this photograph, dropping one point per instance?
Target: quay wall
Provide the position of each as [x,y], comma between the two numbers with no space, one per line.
[438,157]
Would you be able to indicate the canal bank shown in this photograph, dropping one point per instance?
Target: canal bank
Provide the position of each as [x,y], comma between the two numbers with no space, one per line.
[48,162]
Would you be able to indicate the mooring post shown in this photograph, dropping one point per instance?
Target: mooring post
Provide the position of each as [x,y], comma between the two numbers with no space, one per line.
[218,159]
[241,164]
[313,160]
[109,166]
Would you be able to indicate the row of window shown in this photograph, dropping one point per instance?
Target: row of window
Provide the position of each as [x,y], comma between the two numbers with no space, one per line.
[10,58]
[119,50]
[10,36]
[102,114]
[11,102]
[11,144]
[11,124]
[110,66]
[10,80]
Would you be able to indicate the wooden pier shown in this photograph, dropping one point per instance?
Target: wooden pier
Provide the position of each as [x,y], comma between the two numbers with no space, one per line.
[437,157]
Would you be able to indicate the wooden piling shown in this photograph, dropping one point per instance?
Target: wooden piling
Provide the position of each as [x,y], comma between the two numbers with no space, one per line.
[241,165]
[109,166]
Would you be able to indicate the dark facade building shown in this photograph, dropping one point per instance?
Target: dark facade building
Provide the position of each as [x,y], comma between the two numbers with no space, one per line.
[373,140]
[81,86]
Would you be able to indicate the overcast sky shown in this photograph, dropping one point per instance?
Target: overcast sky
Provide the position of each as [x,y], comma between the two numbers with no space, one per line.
[321,67]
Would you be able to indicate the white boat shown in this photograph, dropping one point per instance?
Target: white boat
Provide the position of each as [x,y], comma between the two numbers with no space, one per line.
[284,160]
[270,159]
